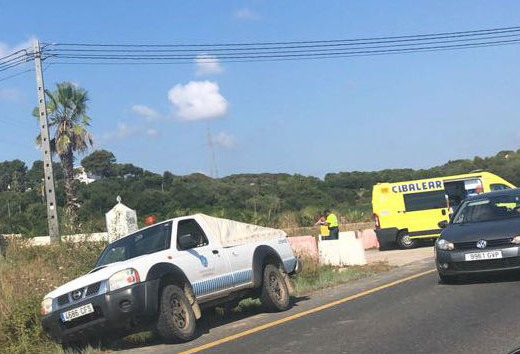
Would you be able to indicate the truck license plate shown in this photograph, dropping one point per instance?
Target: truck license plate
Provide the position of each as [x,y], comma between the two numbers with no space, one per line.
[77,312]
[480,256]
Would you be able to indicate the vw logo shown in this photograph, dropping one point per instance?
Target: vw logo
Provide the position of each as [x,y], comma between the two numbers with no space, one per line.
[481,244]
[76,295]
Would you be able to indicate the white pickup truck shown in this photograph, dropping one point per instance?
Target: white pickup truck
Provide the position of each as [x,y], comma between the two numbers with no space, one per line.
[163,275]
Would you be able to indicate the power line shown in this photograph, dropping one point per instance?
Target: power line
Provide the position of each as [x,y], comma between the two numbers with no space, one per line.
[482,31]
[357,51]
[312,47]
[15,75]
[14,53]
[176,62]
[282,51]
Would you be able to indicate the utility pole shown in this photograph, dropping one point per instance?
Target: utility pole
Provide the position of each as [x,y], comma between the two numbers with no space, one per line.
[214,170]
[52,215]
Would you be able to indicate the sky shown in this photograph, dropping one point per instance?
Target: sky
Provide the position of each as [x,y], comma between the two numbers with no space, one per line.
[309,117]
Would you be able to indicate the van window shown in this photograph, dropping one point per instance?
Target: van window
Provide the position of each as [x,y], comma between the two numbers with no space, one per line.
[498,187]
[190,226]
[425,201]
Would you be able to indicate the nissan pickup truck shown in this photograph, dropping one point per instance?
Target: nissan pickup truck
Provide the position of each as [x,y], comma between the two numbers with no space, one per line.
[163,276]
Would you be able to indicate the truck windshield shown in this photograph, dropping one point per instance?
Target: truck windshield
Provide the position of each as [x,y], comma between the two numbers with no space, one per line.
[146,241]
[488,209]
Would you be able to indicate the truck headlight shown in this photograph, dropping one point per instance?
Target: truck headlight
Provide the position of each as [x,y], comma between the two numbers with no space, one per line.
[516,240]
[445,245]
[123,278]
[46,306]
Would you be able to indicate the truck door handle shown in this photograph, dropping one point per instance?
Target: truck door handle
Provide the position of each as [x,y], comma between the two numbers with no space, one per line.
[215,251]
[443,211]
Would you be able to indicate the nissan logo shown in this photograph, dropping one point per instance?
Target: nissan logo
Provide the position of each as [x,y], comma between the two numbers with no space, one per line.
[76,295]
[481,244]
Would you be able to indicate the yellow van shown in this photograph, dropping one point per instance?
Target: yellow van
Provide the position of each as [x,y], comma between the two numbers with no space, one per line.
[407,211]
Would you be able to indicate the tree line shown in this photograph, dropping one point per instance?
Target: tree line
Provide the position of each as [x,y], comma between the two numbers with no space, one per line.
[281,200]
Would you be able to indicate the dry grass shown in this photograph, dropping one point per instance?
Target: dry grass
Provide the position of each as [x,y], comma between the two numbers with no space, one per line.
[26,275]
[315,276]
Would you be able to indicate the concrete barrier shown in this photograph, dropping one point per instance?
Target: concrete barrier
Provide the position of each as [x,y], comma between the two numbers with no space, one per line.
[347,250]
[304,247]
[368,238]
[93,237]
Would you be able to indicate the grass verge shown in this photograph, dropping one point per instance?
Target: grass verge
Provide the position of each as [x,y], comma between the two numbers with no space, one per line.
[315,276]
[26,275]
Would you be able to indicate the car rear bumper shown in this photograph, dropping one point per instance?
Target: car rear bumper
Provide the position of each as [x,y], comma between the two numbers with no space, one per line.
[454,263]
[113,311]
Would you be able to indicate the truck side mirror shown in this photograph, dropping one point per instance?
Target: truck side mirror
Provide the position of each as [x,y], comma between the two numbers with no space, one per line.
[187,241]
[442,224]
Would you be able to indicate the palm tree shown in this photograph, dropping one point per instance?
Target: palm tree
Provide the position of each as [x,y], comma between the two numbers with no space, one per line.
[68,124]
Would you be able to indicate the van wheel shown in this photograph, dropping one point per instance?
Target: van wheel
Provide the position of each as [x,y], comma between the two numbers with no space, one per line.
[274,295]
[404,241]
[176,321]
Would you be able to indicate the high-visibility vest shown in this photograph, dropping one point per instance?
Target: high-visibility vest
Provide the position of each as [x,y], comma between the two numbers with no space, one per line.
[332,220]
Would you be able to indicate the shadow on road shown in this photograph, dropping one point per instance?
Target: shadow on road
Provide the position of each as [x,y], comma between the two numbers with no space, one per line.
[502,277]
[211,319]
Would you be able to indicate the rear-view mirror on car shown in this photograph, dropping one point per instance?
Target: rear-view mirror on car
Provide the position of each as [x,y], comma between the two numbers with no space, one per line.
[442,224]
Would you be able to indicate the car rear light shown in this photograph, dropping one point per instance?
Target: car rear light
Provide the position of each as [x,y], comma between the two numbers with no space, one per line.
[376,221]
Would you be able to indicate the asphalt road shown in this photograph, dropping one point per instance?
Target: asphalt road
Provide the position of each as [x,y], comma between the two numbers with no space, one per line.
[415,316]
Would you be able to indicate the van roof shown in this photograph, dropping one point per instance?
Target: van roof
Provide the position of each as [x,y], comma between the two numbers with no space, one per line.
[449,177]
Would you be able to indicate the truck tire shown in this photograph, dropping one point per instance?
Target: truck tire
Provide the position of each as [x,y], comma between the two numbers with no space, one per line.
[274,294]
[176,321]
[404,241]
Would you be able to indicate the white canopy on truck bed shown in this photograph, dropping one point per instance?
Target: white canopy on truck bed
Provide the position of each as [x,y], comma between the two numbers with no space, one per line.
[234,233]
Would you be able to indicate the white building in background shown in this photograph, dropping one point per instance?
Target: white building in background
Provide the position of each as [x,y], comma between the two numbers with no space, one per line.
[83,176]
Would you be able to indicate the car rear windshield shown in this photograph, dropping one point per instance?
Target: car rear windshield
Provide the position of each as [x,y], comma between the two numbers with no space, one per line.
[487,209]
[146,241]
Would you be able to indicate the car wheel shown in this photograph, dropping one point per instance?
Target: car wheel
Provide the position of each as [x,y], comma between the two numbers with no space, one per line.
[176,317]
[274,293]
[404,241]
[448,279]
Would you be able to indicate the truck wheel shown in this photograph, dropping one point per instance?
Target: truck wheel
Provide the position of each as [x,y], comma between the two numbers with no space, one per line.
[274,293]
[404,241]
[176,317]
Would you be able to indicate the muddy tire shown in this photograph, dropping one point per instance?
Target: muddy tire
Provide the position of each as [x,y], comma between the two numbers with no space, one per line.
[176,321]
[404,241]
[274,294]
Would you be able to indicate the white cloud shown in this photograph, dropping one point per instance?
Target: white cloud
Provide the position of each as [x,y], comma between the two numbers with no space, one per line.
[10,94]
[224,139]
[123,131]
[207,64]
[246,15]
[198,100]
[145,111]
[6,49]
[153,133]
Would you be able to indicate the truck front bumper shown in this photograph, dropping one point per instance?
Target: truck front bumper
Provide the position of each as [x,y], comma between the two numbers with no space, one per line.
[113,311]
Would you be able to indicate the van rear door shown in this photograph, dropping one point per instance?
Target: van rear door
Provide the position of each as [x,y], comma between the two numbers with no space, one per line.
[423,211]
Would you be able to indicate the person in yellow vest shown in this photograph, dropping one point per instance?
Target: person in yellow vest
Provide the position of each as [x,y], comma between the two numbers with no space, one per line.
[332,222]
[324,229]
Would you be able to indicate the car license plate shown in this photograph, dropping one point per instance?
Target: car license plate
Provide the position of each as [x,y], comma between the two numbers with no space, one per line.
[77,312]
[480,256]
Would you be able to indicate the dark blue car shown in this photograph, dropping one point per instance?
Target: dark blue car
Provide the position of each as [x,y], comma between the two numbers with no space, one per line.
[483,235]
